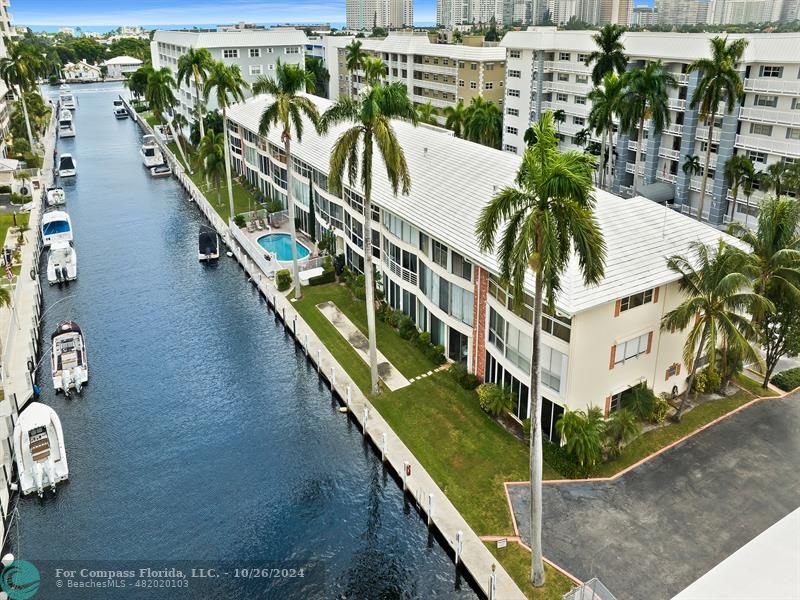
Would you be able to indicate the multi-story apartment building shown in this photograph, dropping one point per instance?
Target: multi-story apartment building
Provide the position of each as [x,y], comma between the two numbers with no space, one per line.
[598,342]
[546,71]
[644,15]
[441,74]
[6,32]
[256,52]
[452,13]
[389,14]
[682,12]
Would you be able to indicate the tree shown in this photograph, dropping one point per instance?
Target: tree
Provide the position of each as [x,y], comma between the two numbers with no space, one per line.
[774,177]
[559,116]
[748,185]
[375,70]
[582,137]
[738,168]
[229,86]
[137,82]
[19,70]
[370,128]
[211,154]
[194,65]
[620,429]
[645,97]
[455,116]
[583,434]
[129,47]
[483,122]
[161,99]
[691,166]
[354,59]
[315,66]
[457,37]
[716,291]
[544,218]
[775,259]
[719,82]
[610,54]
[103,72]
[606,104]
[286,112]
[426,113]
[529,137]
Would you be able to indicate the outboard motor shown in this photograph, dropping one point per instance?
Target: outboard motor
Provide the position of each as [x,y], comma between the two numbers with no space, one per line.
[65,382]
[51,473]
[76,378]
[37,476]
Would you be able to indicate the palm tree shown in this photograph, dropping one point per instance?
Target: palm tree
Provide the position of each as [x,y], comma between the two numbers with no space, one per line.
[137,82]
[483,122]
[717,292]
[454,117]
[544,218]
[375,70]
[161,99]
[738,168]
[748,185]
[211,154]
[426,113]
[529,137]
[582,137]
[370,123]
[194,65]
[606,102]
[354,59]
[582,432]
[645,97]
[691,166]
[229,87]
[774,177]
[610,54]
[559,116]
[19,70]
[286,111]
[5,297]
[719,82]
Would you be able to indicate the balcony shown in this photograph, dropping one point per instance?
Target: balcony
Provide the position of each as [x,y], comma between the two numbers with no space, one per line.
[682,78]
[669,153]
[435,85]
[440,69]
[437,102]
[629,168]
[769,115]
[673,129]
[770,145]
[667,177]
[400,271]
[775,85]
[702,133]
[677,104]
[580,89]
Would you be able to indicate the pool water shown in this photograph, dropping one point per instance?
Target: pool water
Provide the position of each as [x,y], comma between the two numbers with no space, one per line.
[280,244]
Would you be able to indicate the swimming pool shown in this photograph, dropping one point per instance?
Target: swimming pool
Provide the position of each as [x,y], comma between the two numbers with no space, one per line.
[280,244]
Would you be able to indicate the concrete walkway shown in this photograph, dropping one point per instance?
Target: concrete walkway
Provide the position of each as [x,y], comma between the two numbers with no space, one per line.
[659,527]
[387,372]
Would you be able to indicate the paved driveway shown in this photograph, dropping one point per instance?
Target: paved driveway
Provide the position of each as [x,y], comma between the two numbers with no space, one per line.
[652,532]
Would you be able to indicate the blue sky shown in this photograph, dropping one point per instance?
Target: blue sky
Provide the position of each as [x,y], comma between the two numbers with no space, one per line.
[187,12]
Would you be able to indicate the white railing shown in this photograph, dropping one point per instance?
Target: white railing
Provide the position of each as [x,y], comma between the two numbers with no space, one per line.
[767,115]
[702,133]
[674,129]
[682,78]
[668,153]
[768,144]
[437,102]
[629,169]
[772,84]
[400,271]
[428,68]
[435,85]
[567,88]
[677,104]
[667,177]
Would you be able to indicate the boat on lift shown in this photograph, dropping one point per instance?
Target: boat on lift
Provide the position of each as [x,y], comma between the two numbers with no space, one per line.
[62,263]
[160,171]
[67,166]
[55,196]
[66,99]
[66,127]
[120,113]
[208,243]
[56,227]
[39,449]
[68,358]
[150,152]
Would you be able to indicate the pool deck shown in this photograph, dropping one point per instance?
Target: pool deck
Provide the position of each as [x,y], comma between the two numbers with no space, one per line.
[254,235]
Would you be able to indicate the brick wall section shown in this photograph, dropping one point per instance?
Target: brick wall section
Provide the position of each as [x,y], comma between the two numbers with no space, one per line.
[480,291]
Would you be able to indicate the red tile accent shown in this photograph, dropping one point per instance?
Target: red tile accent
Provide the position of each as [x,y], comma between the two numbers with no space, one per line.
[649,342]
[617,307]
[608,406]
[613,356]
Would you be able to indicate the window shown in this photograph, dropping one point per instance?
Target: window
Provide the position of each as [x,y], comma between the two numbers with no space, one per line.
[770,71]
[563,76]
[230,53]
[255,69]
[564,56]
[490,66]
[579,121]
[770,101]
[445,62]
[512,130]
[461,64]
[551,367]
[792,134]
[510,148]
[714,147]
[629,302]
[795,103]
[561,97]
[760,129]
[436,61]
[473,85]
[514,73]
[439,253]
[518,348]
[632,348]
[582,57]
[556,325]
[757,157]
[497,330]
[293,50]
[512,111]
[255,52]
[473,66]
[580,99]
[460,83]
[513,93]
[488,85]
[513,54]
[460,266]
[581,79]
[270,67]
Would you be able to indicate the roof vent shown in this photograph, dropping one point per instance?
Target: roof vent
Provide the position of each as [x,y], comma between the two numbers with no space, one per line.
[425,151]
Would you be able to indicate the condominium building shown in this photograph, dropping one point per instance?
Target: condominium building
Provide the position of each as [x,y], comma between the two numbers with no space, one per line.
[724,12]
[452,13]
[6,32]
[441,74]
[546,72]
[368,14]
[644,15]
[598,342]
[682,12]
[256,52]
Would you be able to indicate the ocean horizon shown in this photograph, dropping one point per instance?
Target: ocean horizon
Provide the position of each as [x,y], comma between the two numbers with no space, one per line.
[107,28]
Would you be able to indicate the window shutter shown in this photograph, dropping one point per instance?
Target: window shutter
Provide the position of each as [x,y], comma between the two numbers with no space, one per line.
[608,405]
[655,295]
[649,342]
[617,307]
[613,356]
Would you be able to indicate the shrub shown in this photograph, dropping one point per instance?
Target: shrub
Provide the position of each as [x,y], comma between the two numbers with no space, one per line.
[437,354]
[393,317]
[327,263]
[640,401]
[467,380]
[283,279]
[328,276]
[494,399]
[274,206]
[557,458]
[18,198]
[239,220]
[661,408]
[424,338]
[582,432]
[5,189]
[338,264]
[706,381]
[620,429]
[787,380]
[406,328]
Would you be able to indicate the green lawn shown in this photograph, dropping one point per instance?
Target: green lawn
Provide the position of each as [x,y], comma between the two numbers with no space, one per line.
[7,221]
[517,562]
[752,386]
[150,118]
[656,439]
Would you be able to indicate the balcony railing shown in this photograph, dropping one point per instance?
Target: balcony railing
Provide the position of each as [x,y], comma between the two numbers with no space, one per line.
[677,104]
[667,177]
[770,145]
[400,271]
[702,133]
[674,129]
[437,102]
[768,115]
[436,85]
[669,153]
[772,84]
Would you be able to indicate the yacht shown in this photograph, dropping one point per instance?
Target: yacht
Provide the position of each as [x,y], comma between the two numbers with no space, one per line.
[67,166]
[150,152]
[66,99]
[118,103]
[208,243]
[39,449]
[68,358]
[160,171]
[62,263]
[56,227]
[121,113]
[55,196]
[66,128]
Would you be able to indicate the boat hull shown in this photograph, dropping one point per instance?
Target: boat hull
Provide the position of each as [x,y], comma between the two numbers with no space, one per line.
[62,269]
[39,449]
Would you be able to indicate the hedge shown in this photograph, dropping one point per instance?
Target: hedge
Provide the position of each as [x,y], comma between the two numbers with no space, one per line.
[558,459]
[787,380]
[326,277]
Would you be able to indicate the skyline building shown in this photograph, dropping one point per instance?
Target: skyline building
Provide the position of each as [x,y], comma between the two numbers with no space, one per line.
[388,14]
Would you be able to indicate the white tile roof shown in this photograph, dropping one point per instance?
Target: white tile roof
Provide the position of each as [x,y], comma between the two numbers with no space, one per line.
[233,39]
[123,60]
[420,44]
[452,179]
[777,47]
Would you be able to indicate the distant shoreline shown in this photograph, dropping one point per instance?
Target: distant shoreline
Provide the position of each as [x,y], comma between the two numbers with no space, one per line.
[107,28]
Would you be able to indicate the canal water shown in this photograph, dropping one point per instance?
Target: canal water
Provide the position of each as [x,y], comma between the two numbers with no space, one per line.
[204,439]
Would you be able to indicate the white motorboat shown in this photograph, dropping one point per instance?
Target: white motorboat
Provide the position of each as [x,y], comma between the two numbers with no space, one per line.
[62,263]
[66,99]
[39,449]
[121,113]
[118,103]
[150,152]
[160,171]
[55,196]
[56,227]
[208,243]
[67,167]
[68,356]
[66,127]
[166,136]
